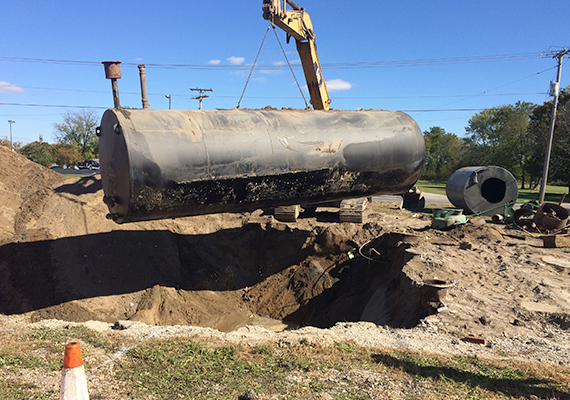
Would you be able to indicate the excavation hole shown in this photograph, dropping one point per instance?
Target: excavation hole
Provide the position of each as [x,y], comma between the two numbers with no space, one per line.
[292,276]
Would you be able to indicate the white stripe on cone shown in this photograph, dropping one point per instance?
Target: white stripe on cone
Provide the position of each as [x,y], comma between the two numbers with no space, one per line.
[73,384]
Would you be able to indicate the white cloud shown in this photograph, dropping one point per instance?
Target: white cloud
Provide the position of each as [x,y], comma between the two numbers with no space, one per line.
[279,63]
[139,59]
[271,71]
[6,87]
[214,62]
[236,60]
[335,85]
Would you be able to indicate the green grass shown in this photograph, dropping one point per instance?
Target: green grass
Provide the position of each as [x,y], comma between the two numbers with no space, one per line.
[186,368]
[194,369]
[25,391]
[39,353]
[200,371]
[63,335]
[433,187]
[553,194]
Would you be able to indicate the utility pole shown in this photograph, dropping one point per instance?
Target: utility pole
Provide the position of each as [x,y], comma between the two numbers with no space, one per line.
[202,96]
[554,87]
[11,143]
[169,97]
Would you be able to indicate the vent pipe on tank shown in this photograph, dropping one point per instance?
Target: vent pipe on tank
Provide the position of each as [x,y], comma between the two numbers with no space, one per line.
[113,72]
[142,74]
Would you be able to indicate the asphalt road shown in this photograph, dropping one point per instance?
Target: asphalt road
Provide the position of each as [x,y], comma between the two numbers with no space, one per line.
[75,171]
[431,198]
[437,199]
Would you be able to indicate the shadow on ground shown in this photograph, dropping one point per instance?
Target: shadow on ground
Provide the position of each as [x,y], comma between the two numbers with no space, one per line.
[475,373]
[301,276]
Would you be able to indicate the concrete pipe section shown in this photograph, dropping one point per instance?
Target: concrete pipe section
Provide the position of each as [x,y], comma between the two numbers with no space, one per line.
[481,190]
[173,163]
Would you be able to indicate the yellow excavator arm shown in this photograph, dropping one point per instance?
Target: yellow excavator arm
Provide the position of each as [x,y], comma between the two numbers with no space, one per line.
[297,24]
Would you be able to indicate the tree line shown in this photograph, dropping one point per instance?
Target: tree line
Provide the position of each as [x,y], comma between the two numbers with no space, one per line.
[509,136]
[76,141]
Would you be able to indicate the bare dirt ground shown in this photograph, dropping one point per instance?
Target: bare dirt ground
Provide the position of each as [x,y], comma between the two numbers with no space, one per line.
[246,277]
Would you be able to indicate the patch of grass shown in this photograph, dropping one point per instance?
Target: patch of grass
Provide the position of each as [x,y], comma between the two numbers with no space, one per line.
[28,354]
[40,353]
[345,347]
[43,348]
[11,360]
[19,391]
[265,349]
[193,369]
[482,378]
[68,334]
[553,194]
[185,368]
[432,187]
[182,368]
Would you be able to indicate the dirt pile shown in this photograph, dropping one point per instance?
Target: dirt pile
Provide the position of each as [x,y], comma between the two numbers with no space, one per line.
[61,258]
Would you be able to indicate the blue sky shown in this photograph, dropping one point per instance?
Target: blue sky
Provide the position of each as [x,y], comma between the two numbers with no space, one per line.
[427,58]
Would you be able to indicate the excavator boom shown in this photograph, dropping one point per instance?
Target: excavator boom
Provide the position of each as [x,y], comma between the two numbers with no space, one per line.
[297,24]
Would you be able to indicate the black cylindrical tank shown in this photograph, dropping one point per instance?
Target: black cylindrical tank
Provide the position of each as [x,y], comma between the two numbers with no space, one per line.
[173,163]
[482,190]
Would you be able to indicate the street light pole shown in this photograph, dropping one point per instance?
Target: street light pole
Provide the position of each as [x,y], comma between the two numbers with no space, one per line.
[11,143]
[169,97]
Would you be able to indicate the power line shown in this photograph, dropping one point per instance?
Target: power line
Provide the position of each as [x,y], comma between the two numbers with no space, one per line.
[431,97]
[445,110]
[295,97]
[104,108]
[361,64]
[436,61]
[50,105]
[498,87]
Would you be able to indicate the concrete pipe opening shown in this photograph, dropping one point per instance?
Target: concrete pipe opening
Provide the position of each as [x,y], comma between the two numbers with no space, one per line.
[482,190]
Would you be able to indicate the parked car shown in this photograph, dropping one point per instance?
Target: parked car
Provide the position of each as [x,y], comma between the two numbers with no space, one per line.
[88,164]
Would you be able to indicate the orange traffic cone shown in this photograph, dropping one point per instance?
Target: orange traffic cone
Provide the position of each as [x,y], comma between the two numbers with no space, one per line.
[73,380]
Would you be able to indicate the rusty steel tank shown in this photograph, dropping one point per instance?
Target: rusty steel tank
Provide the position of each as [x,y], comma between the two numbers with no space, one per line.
[172,163]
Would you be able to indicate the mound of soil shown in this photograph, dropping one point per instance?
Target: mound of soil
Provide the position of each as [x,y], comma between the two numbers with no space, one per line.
[60,258]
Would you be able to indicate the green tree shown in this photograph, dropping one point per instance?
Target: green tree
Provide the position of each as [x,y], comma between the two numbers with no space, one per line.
[39,152]
[6,142]
[78,128]
[443,154]
[66,154]
[538,135]
[498,136]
